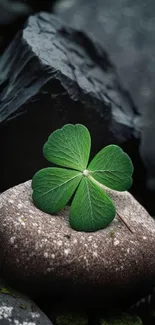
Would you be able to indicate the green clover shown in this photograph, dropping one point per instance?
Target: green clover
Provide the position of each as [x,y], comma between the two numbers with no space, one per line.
[91,208]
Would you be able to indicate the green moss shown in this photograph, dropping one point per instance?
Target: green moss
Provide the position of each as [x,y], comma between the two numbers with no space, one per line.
[112,233]
[71,319]
[7,291]
[4,290]
[123,320]
[22,306]
[76,319]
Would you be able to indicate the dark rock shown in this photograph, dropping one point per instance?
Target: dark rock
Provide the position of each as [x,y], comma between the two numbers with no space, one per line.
[127,29]
[17,309]
[100,271]
[51,75]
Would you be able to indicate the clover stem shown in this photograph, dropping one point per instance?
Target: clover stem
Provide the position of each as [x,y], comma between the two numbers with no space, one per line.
[96,182]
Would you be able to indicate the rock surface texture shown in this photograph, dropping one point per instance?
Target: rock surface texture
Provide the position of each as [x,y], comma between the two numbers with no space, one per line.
[41,254]
[17,309]
[51,75]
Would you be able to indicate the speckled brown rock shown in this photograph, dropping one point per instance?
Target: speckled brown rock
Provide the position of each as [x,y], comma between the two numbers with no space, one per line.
[41,254]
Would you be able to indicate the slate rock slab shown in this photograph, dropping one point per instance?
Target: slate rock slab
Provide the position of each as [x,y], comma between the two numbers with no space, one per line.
[42,255]
[17,309]
[51,75]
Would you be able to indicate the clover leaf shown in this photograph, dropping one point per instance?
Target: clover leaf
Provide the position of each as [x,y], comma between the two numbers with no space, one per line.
[91,208]
[69,147]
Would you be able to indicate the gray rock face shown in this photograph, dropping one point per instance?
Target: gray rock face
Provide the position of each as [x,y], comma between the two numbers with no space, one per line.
[51,75]
[17,309]
[126,28]
[41,254]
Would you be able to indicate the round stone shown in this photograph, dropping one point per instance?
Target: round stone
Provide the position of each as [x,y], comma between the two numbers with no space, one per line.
[42,254]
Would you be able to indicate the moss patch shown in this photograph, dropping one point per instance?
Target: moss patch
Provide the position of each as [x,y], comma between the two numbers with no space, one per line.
[22,306]
[123,320]
[76,319]
[112,233]
[8,291]
[71,319]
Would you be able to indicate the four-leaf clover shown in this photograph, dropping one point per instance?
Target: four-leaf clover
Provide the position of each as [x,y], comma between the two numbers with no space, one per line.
[91,208]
